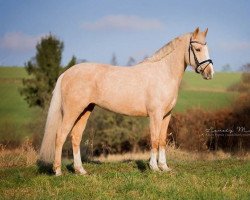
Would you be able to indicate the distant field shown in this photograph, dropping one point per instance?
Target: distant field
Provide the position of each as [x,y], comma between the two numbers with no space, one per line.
[206,94]
[208,100]
[15,114]
[12,73]
[197,92]
[12,105]
[220,82]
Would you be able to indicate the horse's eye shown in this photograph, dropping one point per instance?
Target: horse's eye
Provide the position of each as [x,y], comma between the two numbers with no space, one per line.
[198,50]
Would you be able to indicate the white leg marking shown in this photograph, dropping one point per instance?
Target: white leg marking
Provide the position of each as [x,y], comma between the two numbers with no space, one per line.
[58,172]
[162,156]
[153,161]
[78,163]
[162,160]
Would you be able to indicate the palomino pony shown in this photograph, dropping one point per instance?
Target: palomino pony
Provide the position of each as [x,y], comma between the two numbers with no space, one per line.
[149,88]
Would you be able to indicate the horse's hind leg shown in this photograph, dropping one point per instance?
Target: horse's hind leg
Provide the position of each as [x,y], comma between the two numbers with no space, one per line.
[69,118]
[76,135]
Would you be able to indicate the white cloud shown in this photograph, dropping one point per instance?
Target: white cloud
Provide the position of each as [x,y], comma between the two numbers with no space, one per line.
[17,41]
[123,22]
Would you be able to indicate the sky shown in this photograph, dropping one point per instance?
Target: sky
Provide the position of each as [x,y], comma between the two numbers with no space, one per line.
[96,29]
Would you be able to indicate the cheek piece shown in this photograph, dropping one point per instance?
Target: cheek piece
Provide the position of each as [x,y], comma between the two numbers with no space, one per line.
[198,67]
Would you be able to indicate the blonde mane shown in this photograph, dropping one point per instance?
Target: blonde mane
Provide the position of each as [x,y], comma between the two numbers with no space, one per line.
[162,52]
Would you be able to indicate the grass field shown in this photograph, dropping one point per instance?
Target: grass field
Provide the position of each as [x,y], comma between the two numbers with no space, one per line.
[200,176]
[15,115]
[208,95]
[192,177]
[220,82]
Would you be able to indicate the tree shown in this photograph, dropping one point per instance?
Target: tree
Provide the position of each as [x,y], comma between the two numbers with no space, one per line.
[226,68]
[71,63]
[131,61]
[44,70]
[113,60]
[246,68]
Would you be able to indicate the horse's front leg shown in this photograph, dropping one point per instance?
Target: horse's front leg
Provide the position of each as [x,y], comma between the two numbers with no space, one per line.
[155,128]
[162,162]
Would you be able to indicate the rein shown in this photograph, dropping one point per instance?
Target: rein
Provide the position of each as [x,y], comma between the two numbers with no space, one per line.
[198,68]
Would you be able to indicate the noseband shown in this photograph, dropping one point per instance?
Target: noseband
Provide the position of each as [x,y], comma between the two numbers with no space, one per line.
[198,68]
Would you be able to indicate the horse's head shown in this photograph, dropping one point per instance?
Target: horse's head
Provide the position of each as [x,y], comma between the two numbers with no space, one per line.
[197,54]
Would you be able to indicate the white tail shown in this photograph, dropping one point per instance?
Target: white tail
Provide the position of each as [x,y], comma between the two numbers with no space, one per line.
[54,120]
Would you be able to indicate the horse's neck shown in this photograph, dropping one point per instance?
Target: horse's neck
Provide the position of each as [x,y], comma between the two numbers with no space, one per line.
[174,63]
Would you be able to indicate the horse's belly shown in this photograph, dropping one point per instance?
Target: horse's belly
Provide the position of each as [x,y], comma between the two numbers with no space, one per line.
[124,105]
[121,90]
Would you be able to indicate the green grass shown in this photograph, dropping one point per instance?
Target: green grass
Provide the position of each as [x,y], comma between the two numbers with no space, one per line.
[15,113]
[12,105]
[12,73]
[209,95]
[208,100]
[220,82]
[218,179]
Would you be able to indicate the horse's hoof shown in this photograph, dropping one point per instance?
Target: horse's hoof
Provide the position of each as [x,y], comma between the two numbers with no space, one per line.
[58,173]
[80,171]
[164,168]
[154,168]
[83,173]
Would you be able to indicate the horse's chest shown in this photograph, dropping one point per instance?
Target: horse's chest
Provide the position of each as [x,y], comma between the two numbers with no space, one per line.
[172,103]
[169,102]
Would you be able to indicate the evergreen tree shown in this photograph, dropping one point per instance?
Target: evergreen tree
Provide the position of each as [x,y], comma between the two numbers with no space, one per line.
[113,60]
[131,61]
[71,63]
[226,68]
[44,70]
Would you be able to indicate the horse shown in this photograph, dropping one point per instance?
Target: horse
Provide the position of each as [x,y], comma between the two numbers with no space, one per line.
[149,88]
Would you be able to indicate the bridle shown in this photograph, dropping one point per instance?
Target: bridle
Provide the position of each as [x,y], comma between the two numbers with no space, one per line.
[198,68]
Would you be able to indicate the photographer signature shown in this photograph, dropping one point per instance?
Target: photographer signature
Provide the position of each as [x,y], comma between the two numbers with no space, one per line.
[238,131]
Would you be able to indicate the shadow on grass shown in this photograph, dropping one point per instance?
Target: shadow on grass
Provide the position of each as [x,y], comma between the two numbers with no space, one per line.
[45,168]
[142,165]
[71,169]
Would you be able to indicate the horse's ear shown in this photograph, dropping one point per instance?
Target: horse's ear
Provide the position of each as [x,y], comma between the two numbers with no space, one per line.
[195,33]
[205,32]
